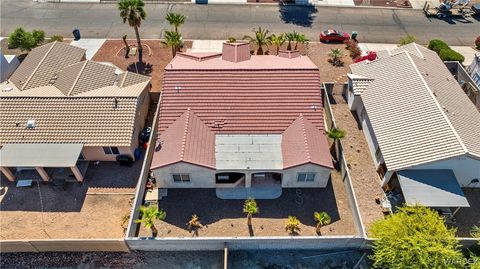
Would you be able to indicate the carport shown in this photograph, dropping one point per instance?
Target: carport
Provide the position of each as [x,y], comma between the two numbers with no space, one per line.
[432,188]
[40,156]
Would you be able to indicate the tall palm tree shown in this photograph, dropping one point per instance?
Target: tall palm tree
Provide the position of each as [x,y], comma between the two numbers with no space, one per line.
[335,54]
[175,19]
[322,219]
[149,215]
[300,38]
[277,41]
[132,11]
[250,207]
[173,40]
[260,39]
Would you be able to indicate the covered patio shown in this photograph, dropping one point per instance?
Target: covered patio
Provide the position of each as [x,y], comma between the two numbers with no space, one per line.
[39,157]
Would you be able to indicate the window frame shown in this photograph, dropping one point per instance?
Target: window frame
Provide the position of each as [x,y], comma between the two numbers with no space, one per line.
[111,150]
[307,177]
[184,177]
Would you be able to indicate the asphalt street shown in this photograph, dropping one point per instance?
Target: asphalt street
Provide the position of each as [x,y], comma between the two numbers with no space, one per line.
[221,21]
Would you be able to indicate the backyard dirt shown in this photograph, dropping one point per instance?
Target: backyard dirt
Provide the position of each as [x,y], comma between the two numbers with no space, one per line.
[226,218]
[155,55]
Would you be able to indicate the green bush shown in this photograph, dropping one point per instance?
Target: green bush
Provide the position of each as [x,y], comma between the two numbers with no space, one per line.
[451,55]
[437,45]
[407,39]
[24,40]
[58,38]
[477,42]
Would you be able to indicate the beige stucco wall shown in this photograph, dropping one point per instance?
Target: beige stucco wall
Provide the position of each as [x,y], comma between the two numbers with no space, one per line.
[289,179]
[200,177]
[97,153]
[142,112]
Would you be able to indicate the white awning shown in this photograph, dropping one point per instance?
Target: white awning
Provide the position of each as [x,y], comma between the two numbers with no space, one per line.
[39,155]
[432,188]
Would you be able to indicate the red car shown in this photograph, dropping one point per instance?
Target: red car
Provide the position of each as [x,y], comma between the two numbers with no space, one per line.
[333,36]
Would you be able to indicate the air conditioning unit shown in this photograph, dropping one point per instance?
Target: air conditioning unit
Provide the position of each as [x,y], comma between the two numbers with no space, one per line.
[30,124]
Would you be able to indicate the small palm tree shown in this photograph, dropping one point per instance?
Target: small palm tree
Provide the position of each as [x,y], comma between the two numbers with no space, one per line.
[250,207]
[300,38]
[132,11]
[322,219]
[194,224]
[291,37]
[173,40]
[335,54]
[292,226]
[277,41]
[336,135]
[475,232]
[149,215]
[261,38]
[175,19]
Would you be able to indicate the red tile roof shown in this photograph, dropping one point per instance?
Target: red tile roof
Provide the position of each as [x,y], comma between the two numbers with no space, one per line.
[189,140]
[303,142]
[265,94]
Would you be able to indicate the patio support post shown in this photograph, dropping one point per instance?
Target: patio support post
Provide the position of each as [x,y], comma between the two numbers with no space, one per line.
[6,171]
[77,173]
[248,180]
[43,174]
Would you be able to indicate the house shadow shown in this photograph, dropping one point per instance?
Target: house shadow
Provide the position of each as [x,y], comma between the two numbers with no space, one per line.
[297,14]
[301,203]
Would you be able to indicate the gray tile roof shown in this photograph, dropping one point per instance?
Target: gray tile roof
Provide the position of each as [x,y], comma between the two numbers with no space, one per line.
[418,111]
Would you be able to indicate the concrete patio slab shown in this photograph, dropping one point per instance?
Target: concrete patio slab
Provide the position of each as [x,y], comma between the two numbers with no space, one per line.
[376,46]
[273,192]
[91,45]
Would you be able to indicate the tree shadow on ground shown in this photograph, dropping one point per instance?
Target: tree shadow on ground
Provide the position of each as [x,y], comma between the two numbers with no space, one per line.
[297,15]
[136,67]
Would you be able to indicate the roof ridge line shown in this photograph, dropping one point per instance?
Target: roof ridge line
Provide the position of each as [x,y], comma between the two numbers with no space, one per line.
[124,78]
[465,149]
[77,78]
[185,131]
[418,50]
[305,140]
[40,63]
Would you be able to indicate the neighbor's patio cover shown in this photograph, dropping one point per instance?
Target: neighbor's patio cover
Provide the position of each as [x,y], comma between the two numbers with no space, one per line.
[432,188]
[39,155]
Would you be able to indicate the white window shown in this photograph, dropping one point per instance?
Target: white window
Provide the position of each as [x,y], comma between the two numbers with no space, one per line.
[306,177]
[181,177]
[223,177]
[111,150]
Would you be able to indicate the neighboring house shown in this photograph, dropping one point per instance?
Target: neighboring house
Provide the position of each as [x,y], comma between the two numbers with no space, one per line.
[235,120]
[58,107]
[468,85]
[474,69]
[8,64]
[422,130]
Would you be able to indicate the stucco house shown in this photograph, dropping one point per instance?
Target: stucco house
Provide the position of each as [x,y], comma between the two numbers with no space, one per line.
[421,128]
[232,119]
[58,107]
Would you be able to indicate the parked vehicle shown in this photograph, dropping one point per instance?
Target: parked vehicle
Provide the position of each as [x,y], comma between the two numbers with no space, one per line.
[332,35]
[459,8]
[371,56]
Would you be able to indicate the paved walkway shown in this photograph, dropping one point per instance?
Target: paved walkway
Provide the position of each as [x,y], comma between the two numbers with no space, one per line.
[243,193]
[91,45]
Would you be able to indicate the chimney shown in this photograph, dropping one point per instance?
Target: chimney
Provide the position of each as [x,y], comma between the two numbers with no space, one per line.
[289,54]
[236,52]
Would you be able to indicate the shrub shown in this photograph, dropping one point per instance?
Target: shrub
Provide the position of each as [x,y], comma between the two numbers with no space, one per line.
[292,226]
[477,42]
[24,40]
[352,46]
[58,38]
[407,39]
[437,45]
[451,55]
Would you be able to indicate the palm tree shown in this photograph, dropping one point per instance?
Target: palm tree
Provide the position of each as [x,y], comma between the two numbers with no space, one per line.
[293,225]
[149,215]
[322,219]
[132,11]
[336,135]
[277,41]
[291,36]
[300,38]
[260,39]
[335,54]
[175,19]
[250,207]
[173,40]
